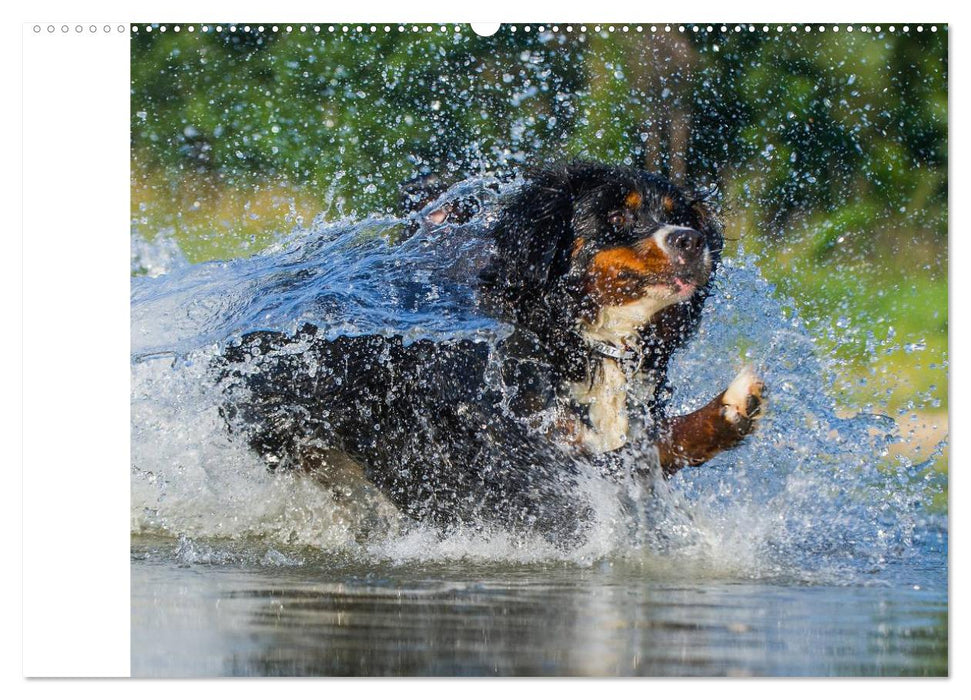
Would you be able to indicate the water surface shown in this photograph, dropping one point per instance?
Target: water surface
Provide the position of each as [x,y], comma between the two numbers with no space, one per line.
[656,618]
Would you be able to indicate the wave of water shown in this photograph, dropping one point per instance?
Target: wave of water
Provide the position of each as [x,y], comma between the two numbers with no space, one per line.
[812,494]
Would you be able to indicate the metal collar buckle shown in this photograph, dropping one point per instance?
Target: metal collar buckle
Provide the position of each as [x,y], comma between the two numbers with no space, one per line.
[613,352]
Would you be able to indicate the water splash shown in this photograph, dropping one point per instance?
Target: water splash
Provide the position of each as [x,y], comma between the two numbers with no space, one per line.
[813,494]
[347,278]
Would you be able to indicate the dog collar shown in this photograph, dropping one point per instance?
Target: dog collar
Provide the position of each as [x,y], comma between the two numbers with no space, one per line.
[612,351]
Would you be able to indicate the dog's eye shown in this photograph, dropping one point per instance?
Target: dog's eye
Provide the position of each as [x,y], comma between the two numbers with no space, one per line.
[618,219]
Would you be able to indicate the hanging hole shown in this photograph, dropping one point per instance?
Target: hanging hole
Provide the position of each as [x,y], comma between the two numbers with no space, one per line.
[486,28]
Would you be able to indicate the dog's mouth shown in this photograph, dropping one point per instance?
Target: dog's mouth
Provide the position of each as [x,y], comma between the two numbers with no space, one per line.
[684,287]
[687,279]
[677,288]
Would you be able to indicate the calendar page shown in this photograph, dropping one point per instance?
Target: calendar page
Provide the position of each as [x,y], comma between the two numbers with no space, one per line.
[527,349]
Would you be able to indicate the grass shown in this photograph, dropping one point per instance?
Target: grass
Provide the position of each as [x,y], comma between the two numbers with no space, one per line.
[212,219]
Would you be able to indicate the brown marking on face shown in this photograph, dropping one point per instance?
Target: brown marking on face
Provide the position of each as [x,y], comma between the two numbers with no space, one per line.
[633,200]
[619,275]
[577,246]
[667,203]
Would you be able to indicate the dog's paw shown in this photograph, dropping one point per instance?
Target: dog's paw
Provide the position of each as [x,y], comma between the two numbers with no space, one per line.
[743,400]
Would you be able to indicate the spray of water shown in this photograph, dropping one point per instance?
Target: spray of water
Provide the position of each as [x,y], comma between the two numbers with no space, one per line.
[813,494]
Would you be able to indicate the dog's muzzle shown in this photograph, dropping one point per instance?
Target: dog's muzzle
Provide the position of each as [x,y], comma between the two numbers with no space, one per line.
[688,252]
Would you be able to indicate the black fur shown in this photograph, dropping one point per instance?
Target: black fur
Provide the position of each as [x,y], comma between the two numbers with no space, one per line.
[448,431]
[419,418]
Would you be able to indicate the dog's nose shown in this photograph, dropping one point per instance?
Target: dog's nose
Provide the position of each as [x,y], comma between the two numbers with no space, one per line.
[687,242]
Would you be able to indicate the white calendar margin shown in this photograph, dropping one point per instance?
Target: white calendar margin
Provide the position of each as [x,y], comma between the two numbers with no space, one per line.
[76,262]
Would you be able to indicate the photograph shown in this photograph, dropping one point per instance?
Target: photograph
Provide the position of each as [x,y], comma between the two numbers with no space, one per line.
[539,350]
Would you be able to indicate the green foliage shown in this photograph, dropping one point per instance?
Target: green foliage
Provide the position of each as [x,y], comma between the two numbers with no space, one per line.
[812,121]
[350,115]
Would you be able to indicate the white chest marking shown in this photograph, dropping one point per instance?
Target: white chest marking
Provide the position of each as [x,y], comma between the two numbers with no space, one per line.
[617,324]
[606,401]
[605,395]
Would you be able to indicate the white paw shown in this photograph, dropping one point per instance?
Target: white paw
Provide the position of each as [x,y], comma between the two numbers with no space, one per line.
[743,397]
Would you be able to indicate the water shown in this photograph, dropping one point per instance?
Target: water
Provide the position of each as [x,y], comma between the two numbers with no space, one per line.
[810,550]
[330,616]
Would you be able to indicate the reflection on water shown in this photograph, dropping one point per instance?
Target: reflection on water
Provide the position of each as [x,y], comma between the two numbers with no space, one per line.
[557,619]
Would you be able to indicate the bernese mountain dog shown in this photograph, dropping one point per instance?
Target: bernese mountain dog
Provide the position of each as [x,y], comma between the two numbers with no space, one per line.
[600,273]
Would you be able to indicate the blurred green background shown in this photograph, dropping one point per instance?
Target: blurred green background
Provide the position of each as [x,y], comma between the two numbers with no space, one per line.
[826,151]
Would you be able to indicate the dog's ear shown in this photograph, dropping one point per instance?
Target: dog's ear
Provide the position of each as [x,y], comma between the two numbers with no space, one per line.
[533,239]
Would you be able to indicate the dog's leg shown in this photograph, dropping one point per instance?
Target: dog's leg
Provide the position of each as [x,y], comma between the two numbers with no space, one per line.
[694,438]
